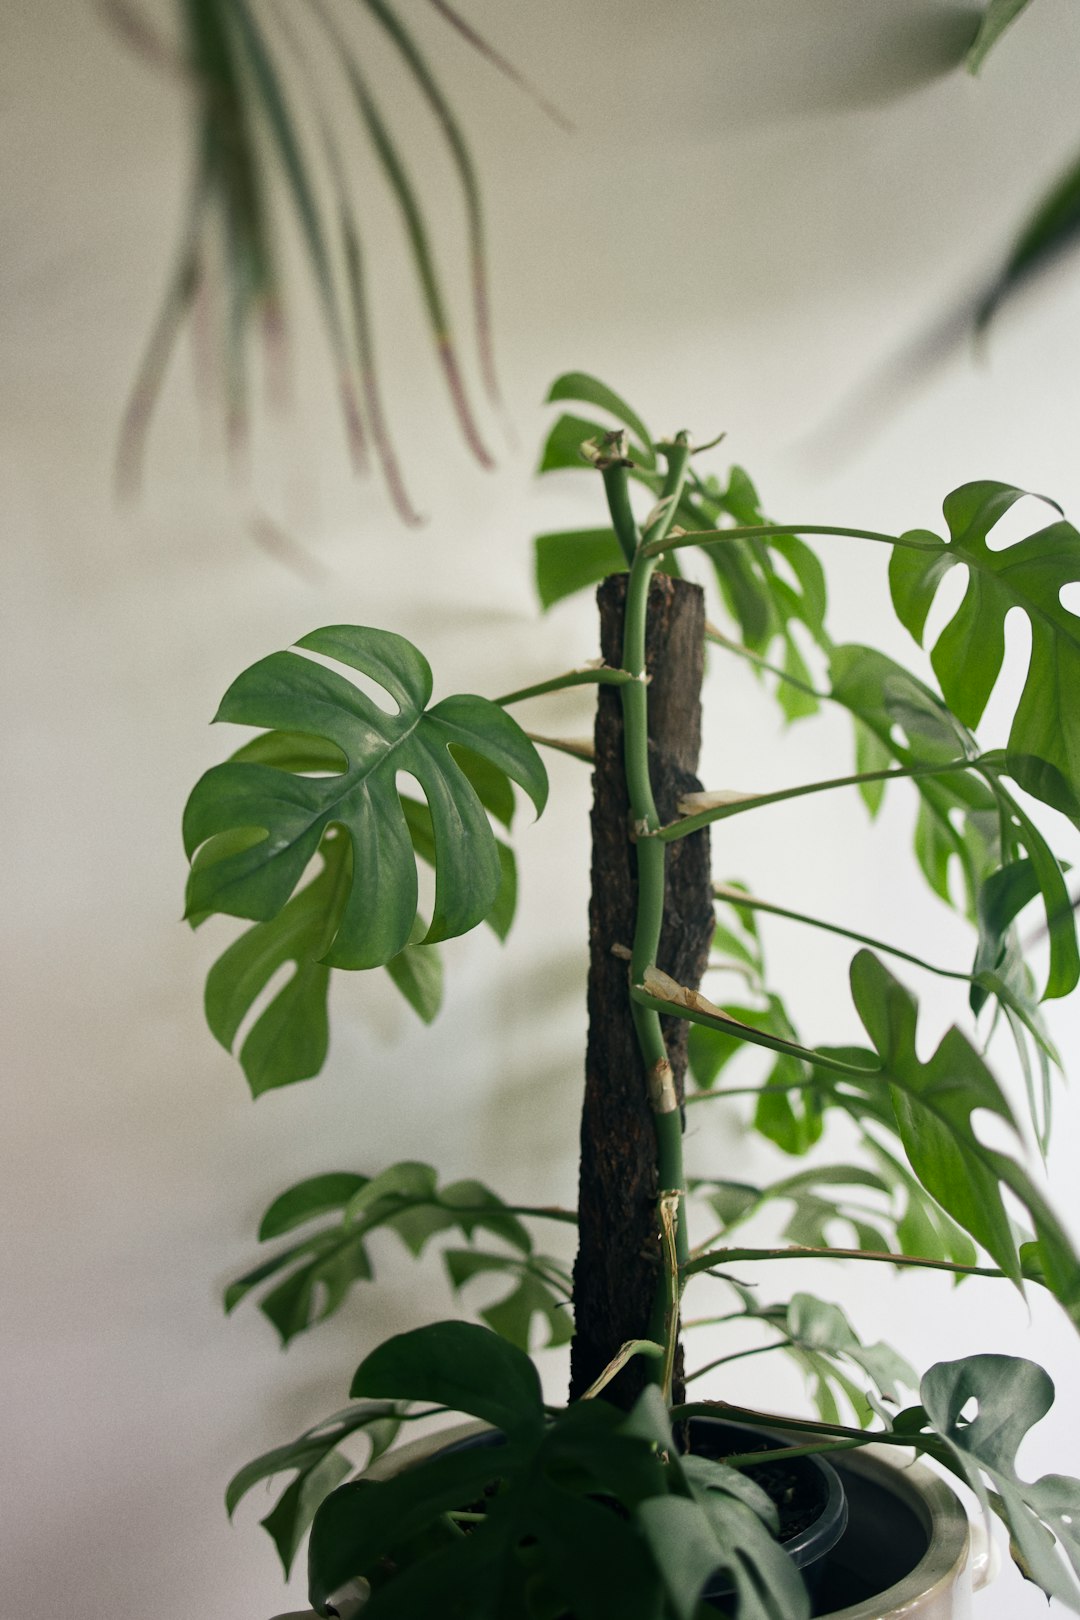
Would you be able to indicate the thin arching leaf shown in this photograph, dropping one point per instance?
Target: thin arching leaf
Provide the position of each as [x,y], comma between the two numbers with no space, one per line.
[1043,753]
[255,827]
[406,197]
[461,158]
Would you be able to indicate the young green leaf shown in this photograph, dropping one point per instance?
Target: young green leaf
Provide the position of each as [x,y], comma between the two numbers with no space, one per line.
[582,389]
[574,559]
[291,693]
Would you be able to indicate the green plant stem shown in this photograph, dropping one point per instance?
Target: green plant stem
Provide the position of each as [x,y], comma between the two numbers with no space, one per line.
[704,818]
[736,897]
[747,1459]
[560,683]
[754,1091]
[734,1355]
[718,638]
[796,1251]
[833,1431]
[758,531]
[645,818]
[617,489]
[746,1032]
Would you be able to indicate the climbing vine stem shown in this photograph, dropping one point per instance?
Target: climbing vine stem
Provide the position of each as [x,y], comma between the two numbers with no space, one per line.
[645,822]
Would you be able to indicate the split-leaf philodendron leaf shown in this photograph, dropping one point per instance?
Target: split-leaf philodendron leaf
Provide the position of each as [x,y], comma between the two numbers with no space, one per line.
[252,828]
[1043,752]
[1010,1395]
[934,1104]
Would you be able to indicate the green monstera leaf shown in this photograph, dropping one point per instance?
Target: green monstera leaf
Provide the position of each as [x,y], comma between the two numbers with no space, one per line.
[1044,741]
[1010,1396]
[251,827]
[934,1103]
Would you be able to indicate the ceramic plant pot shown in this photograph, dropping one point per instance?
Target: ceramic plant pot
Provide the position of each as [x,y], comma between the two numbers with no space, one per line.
[908,1551]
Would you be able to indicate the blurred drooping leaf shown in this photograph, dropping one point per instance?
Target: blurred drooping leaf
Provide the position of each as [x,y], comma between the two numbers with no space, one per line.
[541,1290]
[997,16]
[934,1103]
[1011,1395]
[1043,753]
[1051,232]
[311,1278]
[253,827]
[256,102]
[318,1467]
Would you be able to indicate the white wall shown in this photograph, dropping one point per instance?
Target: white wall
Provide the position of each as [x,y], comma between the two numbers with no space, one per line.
[759,204]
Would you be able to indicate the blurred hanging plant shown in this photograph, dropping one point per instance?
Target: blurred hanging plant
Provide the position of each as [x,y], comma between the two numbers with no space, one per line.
[1054,226]
[261,127]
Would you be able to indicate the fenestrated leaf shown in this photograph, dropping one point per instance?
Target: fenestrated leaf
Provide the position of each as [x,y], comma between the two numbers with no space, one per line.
[461,1366]
[291,693]
[363,1521]
[693,1539]
[573,559]
[317,1273]
[417,973]
[820,1326]
[288,1040]
[1011,1395]
[1044,741]
[288,1521]
[822,1198]
[309,1199]
[318,1467]
[582,389]
[934,1104]
[996,17]
[759,598]
[532,1296]
[899,719]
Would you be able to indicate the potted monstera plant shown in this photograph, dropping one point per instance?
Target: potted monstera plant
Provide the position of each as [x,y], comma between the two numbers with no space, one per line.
[628,1501]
